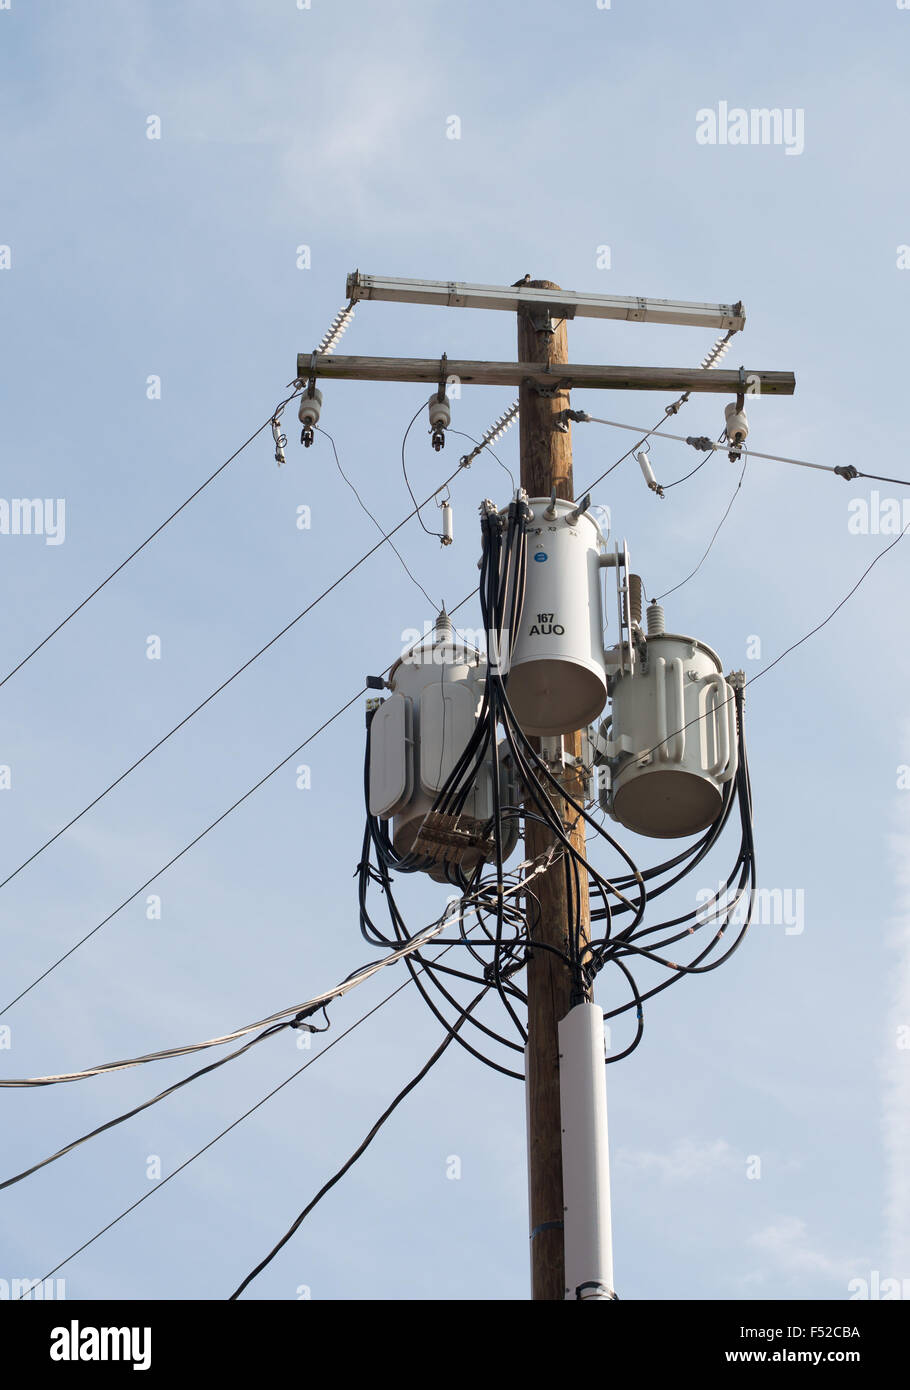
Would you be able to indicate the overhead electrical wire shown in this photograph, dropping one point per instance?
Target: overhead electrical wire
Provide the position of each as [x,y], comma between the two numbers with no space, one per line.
[686,476]
[742,450]
[711,358]
[490,435]
[794,645]
[365,508]
[361,1148]
[717,530]
[327,345]
[288,1017]
[502,586]
[218,689]
[196,838]
[149,538]
[480,445]
[356,978]
[404,469]
[337,714]
[233,1125]
[836,609]
[144,1105]
[271,1030]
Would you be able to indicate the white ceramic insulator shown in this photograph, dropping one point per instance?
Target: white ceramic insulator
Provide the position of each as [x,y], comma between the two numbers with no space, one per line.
[448,534]
[440,412]
[657,623]
[310,408]
[737,424]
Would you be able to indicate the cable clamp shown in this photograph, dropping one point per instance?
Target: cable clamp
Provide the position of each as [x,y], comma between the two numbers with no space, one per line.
[298,1020]
[701,442]
[847,471]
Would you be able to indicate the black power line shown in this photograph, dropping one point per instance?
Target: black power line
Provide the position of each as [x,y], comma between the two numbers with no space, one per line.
[196,838]
[362,1146]
[217,691]
[157,532]
[233,1125]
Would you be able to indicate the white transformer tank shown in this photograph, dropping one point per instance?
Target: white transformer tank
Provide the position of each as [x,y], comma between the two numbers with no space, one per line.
[417,736]
[672,743]
[557,682]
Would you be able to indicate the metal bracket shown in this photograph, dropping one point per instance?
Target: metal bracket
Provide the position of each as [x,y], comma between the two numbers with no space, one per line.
[543,317]
[549,392]
[311,383]
[441,393]
[540,319]
[741,394]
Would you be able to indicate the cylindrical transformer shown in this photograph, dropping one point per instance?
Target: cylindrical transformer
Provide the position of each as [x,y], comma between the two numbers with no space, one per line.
[556,680]
[673,741]
[417,736]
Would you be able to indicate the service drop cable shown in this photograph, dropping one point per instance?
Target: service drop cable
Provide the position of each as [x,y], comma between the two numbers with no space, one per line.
[268,1032]
[150,1192]
[296,1011]
[361,1148]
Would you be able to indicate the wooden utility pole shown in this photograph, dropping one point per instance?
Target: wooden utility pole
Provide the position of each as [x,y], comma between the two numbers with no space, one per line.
[544,376]
[546,462]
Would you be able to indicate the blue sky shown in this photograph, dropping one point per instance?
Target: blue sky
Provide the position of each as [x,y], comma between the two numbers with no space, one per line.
[177,258]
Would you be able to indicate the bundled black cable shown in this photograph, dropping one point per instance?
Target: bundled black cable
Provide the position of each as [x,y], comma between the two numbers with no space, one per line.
[497,953]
